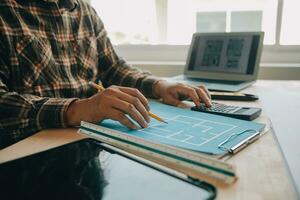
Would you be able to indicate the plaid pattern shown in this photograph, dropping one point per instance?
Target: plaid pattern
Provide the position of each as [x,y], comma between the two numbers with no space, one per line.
[49,51]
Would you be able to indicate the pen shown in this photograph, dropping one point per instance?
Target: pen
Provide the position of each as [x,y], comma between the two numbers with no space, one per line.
[233,96]
[100,88]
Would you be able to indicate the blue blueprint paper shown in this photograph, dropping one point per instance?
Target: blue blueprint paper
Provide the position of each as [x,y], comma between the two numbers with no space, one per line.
[189,129]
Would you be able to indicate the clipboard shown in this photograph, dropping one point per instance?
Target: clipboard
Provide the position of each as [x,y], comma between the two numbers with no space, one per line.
[233,147]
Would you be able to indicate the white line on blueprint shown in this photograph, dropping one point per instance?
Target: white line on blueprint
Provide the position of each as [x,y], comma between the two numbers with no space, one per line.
[219,135]
[177,133]
[160,129]
[187,137]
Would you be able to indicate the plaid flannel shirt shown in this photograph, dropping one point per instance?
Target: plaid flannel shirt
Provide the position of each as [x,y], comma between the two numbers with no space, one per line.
[49,51]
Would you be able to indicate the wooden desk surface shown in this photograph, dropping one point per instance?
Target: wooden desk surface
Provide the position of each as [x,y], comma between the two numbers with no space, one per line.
[261,167]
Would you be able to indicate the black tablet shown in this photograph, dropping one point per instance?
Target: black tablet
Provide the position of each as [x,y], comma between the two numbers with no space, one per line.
[90,170]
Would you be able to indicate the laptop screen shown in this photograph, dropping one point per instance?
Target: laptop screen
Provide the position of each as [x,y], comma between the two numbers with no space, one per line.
[224,53]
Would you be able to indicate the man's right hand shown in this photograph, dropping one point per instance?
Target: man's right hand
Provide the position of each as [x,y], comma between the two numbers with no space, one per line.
[116,103]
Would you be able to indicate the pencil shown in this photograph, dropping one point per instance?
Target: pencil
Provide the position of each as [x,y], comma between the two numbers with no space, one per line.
[154,116]
[97,86]
[101,88]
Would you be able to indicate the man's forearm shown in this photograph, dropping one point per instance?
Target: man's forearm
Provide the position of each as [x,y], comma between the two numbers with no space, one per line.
[23,115]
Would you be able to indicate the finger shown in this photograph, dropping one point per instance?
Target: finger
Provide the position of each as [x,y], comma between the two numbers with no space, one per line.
[172,101]
[121,117]
[205,90]
[203,96]
[136,102]
[136,93]
[131,111]
[190,92]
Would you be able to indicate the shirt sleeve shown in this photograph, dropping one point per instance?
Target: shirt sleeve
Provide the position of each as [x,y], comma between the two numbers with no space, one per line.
[113,70]
[21,115]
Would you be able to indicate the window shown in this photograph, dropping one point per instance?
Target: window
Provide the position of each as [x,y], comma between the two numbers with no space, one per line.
[290,33]
[160,30]
[174,21]
[128,21]
[220,15]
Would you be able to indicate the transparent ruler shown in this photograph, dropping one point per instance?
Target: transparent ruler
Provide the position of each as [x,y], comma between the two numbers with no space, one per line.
[190,163]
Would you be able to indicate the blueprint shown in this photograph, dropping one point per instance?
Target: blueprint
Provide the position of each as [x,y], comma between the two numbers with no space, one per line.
[191,130]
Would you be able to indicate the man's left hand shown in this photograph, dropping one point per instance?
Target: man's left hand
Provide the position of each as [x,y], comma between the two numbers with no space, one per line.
[174,93]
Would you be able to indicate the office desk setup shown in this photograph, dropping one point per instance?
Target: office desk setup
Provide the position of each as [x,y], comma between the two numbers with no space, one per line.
[262,167]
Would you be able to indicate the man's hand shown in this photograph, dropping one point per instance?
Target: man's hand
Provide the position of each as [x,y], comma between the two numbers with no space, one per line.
[113,103]
[173,93]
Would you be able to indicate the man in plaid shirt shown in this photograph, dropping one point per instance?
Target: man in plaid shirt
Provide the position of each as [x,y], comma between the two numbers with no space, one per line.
[49,51]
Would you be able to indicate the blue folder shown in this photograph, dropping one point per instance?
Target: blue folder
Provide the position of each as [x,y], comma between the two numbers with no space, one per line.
[192,130]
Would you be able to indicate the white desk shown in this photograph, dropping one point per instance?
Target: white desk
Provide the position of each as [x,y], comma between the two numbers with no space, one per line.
[281,102]
[261,167]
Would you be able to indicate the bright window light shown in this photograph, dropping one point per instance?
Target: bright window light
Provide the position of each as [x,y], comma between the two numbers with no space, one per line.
[128,21]
[174,21]
[290,29]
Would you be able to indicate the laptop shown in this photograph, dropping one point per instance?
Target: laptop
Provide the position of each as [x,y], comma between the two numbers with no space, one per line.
[223,61]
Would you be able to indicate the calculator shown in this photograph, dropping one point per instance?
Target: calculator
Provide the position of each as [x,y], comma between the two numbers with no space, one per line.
[245,113]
